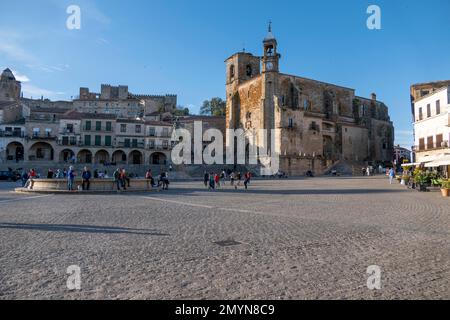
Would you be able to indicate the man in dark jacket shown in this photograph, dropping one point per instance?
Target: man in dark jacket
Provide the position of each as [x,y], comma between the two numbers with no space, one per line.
[86,179]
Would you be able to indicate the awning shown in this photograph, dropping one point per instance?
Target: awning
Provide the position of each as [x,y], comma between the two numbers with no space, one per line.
[439,163]
[411,164]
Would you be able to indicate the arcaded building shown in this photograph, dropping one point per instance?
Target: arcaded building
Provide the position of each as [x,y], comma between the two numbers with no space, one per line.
[319,123]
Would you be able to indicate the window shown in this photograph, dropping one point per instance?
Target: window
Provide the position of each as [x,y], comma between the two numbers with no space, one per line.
[98,140]
[87,140]
[98,126]
[73,141]
[249,70]
[165,144]
[422,144]
[438,107]
[108,141]
[428,110]
[420,114]
[306,105]
[65,141]
[232,72]
[314,126]
[134,143]
[165,132]
[291,123]
[439,140]
[69,128]
[151,132]
[123,128]
[127,143]
[88,125]
[108,126]
[36,132]
[430,143]
[151,144]
[138,128]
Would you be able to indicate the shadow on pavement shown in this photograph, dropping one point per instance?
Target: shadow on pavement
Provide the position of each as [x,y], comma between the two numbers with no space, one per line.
[80,229]
[241,190]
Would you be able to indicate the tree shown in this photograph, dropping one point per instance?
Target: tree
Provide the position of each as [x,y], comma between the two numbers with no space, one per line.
[181,111]
[214,107]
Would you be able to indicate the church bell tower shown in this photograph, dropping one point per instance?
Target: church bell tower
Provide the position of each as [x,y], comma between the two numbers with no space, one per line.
[270,60]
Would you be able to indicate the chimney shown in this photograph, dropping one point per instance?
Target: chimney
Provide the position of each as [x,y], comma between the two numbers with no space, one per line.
[374,97]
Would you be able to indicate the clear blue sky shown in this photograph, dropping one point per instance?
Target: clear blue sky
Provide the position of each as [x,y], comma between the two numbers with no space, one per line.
[179,46]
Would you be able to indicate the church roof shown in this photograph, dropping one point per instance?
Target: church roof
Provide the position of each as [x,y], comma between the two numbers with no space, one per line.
[270,35]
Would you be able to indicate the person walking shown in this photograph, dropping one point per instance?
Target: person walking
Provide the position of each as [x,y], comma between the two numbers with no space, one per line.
[70,178]
[117,180]
[232,179]
[391,175]
[247,178]
[86,179]
[24,178]
[211,182]
[239,178]
[149,178]
[217,180]
[368,171]
[126,178]
[122,179]
[206,179]
[50,174]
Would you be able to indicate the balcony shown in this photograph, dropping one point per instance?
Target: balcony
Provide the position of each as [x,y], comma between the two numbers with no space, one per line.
[12,134]
[68,132]
[122,144]
[434,146]
[42,136]
[160,135]
[158,147]
[97,129]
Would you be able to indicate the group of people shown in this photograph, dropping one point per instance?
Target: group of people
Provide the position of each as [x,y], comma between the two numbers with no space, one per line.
[120,177]
[214,181]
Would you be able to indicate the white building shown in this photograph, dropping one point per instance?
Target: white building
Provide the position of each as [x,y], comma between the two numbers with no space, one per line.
[432,129]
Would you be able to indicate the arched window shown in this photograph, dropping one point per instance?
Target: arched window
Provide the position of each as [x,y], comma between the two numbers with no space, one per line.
[232,72]
[249,70]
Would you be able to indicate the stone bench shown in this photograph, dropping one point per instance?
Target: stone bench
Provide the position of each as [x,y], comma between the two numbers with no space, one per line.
[96,185]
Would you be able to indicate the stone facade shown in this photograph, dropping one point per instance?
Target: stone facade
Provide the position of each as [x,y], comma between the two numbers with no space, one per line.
[97,129]
[432,128]
[119,101]
[319,123]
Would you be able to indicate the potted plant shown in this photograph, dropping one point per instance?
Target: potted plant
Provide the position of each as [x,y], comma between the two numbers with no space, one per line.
[420,179]
[445,188]
[405,180]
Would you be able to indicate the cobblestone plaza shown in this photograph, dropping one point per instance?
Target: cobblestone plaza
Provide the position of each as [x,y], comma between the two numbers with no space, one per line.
[281,239]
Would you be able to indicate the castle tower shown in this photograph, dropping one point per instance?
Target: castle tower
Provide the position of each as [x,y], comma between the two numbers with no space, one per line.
[9,87]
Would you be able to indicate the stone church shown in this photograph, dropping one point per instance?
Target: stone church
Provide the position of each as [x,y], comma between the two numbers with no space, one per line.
[320,124]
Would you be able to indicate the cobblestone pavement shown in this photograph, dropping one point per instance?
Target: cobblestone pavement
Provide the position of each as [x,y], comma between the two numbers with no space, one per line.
[298,239]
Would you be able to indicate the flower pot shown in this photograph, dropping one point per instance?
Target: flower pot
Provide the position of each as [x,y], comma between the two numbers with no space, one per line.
[423,188]
[445,192]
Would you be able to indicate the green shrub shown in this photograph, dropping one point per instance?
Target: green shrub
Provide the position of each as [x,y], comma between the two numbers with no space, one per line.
[445,184]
